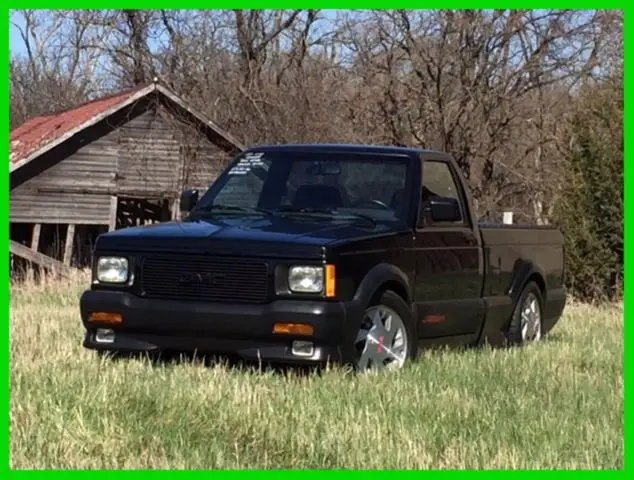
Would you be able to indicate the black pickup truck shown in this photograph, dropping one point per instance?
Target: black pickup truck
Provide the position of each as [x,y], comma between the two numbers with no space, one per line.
[317,253]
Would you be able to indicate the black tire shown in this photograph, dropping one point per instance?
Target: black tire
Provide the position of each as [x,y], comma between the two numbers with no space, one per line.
[514,334]
[393,301]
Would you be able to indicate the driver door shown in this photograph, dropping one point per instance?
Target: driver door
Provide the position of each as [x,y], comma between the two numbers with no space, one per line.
[448,261]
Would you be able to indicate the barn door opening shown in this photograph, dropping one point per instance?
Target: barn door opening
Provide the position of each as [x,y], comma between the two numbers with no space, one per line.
[132,212]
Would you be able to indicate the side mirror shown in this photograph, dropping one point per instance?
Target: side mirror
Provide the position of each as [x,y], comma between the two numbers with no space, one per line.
[444,209]
[189,199]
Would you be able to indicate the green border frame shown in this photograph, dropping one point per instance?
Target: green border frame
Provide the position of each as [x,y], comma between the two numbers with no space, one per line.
[325,4]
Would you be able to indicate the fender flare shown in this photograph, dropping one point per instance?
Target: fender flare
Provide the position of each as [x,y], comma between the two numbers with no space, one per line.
[523,271]
[378,276]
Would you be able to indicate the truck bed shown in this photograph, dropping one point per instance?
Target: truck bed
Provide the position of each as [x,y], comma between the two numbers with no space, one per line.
[510,250]
[506,247]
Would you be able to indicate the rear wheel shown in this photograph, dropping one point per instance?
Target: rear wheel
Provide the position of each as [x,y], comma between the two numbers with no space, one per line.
[526,322]
[386,338]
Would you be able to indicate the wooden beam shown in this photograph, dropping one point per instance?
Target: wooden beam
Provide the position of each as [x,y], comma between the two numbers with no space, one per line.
[98,189]
[45,261]
[113,213]
[58,220]
[176,209]
[68,245]
[35,239]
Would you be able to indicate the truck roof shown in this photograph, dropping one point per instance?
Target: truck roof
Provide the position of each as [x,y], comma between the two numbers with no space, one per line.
[344,147]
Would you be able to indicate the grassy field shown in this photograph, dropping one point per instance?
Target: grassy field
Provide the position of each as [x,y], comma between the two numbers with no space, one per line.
[558,404]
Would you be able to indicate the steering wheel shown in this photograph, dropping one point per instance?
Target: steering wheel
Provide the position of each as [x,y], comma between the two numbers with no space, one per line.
[372,203]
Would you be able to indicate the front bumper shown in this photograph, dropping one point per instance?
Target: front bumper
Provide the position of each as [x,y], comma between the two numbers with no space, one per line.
[215,328]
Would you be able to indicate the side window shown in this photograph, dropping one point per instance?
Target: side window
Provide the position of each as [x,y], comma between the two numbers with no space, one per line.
[439,182]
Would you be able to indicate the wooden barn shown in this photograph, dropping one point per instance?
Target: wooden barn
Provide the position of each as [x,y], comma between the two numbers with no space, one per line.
[111,163]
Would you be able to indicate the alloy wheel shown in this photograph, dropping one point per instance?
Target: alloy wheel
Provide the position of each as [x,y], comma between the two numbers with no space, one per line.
[382,340]
[531,319]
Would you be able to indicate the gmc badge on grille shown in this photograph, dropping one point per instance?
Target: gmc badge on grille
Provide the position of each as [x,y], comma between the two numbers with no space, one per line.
[200,278]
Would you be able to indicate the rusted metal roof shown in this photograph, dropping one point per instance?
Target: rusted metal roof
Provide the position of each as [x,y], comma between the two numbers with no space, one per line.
[40,134]
[37,132]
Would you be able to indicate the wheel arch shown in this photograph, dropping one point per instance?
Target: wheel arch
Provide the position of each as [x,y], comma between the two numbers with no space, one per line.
[378,280]
[524,273]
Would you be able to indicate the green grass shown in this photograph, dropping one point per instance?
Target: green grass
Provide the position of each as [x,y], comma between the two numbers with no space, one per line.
[558,404]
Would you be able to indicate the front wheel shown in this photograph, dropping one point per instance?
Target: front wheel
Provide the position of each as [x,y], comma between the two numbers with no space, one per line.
[386,337]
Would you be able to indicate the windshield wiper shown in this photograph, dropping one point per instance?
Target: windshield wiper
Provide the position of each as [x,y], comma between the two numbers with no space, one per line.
[324,211]
[231,208]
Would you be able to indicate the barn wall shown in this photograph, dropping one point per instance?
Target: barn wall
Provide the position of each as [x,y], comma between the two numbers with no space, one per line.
[149,161]
[203,162]
[75,190]
[150,156]
[159,155]
[32,207]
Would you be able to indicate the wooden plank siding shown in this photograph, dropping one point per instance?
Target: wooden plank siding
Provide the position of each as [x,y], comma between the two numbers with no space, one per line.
[91,165]
[208,163]
[161,155]
[143,158]
[149,156]
[69,191]
[83,209]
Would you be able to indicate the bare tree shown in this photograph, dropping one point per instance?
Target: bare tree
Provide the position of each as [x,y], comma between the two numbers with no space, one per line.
[469,82]
[59,68]
[491,87]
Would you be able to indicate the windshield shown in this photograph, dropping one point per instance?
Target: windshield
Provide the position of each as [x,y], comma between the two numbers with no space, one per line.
[330,185]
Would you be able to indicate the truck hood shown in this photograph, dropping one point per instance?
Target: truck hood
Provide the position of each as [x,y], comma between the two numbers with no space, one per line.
[268,236]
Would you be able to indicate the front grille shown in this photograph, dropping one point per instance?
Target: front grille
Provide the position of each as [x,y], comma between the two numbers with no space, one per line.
[200,277]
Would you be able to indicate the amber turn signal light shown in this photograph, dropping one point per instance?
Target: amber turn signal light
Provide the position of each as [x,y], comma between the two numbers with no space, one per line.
[292,329]
[330,280]
[105,317]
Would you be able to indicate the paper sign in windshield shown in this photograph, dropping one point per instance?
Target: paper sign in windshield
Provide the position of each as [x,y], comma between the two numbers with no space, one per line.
[246,163]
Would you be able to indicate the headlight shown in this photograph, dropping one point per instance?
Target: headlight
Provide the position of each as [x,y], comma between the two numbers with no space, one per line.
[305,279]
[112,269]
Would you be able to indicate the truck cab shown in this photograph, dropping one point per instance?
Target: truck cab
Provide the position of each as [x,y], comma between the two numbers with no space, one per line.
[325,253]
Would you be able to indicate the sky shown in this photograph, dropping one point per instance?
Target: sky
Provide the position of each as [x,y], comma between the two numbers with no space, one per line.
[16,45]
